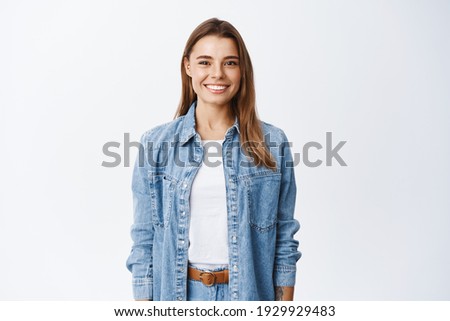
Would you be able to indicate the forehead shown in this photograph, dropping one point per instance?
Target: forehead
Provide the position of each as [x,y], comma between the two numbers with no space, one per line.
[215,46]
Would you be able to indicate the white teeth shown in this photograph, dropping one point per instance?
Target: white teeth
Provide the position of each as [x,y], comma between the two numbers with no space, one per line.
[216,87]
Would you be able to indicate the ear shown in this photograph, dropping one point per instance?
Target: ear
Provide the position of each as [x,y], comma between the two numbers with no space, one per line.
[187,66]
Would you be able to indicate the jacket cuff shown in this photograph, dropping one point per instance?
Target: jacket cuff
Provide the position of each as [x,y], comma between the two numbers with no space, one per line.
[142,288]
[284,275]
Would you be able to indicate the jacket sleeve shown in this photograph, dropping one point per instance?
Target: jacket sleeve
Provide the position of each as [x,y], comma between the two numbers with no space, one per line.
[286,250]
[139,262]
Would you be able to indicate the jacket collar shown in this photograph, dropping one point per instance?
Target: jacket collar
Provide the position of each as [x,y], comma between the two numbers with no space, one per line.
[188,124]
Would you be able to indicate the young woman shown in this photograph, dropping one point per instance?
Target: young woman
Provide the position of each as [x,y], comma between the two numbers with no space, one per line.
[214,190]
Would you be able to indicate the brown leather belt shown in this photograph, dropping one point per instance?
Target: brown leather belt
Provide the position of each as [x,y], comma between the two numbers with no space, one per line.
[208,278]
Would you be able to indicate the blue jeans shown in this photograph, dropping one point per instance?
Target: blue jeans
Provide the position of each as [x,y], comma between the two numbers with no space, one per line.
[197,291]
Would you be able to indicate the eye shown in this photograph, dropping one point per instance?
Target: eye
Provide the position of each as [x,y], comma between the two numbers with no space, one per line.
[203,62]
[231,63]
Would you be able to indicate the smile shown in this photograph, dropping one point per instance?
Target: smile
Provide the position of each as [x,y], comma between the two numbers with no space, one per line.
[216,89]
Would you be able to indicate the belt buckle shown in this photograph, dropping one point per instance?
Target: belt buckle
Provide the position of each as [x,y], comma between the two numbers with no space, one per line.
[210,278]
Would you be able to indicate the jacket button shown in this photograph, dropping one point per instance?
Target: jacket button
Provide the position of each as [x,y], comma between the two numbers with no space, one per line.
[179,298]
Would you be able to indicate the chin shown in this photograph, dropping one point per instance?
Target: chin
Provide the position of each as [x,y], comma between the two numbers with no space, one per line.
[216,101]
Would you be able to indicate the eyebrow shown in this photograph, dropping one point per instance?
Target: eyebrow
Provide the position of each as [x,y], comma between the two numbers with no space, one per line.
[209,57]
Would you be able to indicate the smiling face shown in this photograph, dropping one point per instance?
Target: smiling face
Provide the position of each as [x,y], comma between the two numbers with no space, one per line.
[213,66]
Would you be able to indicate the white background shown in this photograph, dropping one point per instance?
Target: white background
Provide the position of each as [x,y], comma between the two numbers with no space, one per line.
[77,74]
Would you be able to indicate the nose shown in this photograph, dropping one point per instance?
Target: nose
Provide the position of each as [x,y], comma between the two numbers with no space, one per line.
[216,71]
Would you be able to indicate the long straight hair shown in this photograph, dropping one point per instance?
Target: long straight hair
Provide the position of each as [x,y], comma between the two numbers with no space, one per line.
[243,104]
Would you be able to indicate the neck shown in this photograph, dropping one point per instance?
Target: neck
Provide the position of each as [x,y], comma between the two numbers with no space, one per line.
[213,117]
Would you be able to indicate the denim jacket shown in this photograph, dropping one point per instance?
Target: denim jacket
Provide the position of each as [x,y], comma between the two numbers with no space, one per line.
[260,206]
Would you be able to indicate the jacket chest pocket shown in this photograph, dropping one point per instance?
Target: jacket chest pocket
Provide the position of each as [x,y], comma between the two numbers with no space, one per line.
[162,191]
[262,193]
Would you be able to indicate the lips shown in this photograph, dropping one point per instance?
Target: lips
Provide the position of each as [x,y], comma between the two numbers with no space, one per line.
[217,89]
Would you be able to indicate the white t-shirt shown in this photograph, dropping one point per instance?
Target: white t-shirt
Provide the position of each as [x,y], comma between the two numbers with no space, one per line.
[208,230]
